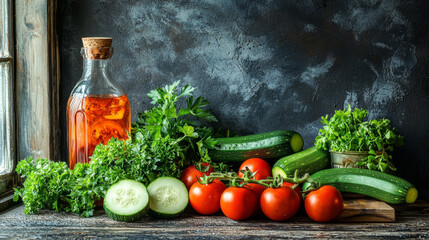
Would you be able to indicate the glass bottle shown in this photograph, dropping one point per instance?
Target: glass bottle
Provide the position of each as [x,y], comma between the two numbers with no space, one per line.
[98,108]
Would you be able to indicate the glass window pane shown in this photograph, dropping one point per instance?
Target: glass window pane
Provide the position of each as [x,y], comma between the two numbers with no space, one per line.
[7,143]
[5,29]
[6,122]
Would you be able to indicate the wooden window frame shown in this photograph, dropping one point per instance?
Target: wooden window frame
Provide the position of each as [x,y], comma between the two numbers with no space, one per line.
[7,57]
[36,89]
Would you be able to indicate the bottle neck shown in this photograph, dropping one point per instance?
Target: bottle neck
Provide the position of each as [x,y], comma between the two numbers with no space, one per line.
[96,69]
[97,79]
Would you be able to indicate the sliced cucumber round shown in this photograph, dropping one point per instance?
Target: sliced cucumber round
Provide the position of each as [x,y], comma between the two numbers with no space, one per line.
[126,201]
[168,197]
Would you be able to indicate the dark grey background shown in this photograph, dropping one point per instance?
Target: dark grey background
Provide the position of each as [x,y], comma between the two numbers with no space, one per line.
[268,65]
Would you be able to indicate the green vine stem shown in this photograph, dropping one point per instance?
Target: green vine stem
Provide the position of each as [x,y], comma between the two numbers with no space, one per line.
[248,177]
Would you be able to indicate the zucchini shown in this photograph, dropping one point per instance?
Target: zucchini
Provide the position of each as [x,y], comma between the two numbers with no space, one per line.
[126,201]
[308,161]
[168,197]
[382,186]
[268,146]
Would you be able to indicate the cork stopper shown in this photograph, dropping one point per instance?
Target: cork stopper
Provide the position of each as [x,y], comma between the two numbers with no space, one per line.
[97,47]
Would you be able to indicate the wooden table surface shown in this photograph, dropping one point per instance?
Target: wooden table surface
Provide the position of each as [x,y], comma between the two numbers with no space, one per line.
[412,221]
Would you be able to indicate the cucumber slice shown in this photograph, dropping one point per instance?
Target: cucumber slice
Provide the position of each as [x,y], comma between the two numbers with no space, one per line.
[126,201]
[168,197]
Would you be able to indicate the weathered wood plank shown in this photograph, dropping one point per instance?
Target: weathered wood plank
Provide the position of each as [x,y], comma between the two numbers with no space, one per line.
[366,210]
[191,226]
[36,109]
[6,200]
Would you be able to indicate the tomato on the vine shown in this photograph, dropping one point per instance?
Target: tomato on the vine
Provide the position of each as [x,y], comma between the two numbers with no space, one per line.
[205,198]
[324,204]
[297,189]
[191,174]
[256,164]
[280,204]
[238,203]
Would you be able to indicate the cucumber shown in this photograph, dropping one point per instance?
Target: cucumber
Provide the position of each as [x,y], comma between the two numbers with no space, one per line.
[126,201]
[382,186]
[168,197]
[308,161]
[268,146]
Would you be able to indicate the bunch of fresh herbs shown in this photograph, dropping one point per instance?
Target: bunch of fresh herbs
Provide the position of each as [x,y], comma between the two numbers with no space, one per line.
[346,131]
[46,185]
[165,124]
[163,141]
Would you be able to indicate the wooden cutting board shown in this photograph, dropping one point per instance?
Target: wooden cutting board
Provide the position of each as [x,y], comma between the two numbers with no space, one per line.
[366,210]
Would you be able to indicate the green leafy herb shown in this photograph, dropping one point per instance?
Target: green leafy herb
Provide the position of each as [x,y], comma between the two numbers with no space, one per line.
[164,120]
[347,131]
[46,185]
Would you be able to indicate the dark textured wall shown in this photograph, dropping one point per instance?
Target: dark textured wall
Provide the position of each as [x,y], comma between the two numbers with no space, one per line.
[267,65]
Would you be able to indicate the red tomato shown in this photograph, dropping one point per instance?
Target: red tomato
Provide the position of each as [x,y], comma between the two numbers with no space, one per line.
[191,174]
[297,189]
[238,203]
[256,164]
[280,204]
[324,204]
[258,189]
[205,198]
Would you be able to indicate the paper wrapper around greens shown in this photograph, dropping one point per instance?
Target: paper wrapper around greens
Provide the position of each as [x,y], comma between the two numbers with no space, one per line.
[97,47]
